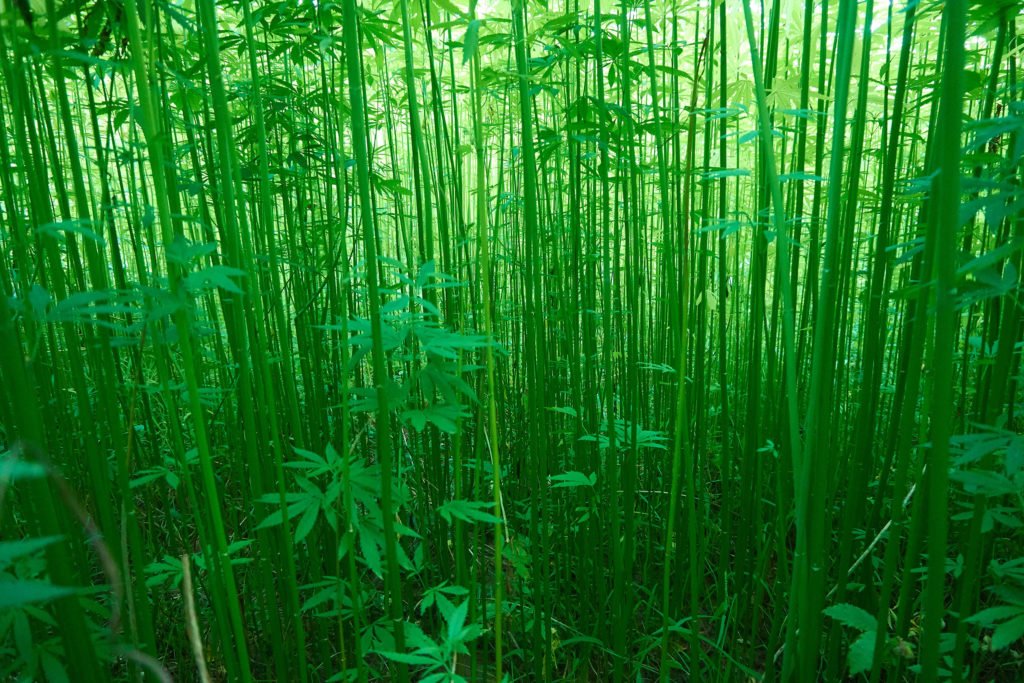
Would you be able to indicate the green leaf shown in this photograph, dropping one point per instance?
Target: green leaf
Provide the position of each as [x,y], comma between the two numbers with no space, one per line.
[852,616]
[447,6]
[725,173]
[416,418]
[39,299]
[371,552]
[468,511]
[800,175]
[411,658]
[15,469]
[394,305]
[862,653]
[456,621]
[78,227]
[983,482]
[469,42]
[1008,632]
[182,252]
[18,593]
[991,257]
[299,502]
[573,480]
[988,617]
[215,276]
[567,410]
[147,477]
[53,668]
[444,417]
[306,523]
[11,550]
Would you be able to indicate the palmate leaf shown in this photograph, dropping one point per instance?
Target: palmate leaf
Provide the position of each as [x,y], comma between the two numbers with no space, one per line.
[297,504]
[456,620]
[444,417]
[645,438]
[436,594]
[370,543]
[328,593]
[468,511]
[416,418]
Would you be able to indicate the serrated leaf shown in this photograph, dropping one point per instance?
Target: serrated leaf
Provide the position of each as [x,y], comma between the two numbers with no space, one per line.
[862,653]
[456,620]
[371,553]
[852,616]
[1008,632]
[987,617]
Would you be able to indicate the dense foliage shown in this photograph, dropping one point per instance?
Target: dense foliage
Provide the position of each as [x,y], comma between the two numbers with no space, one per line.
[672,340]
